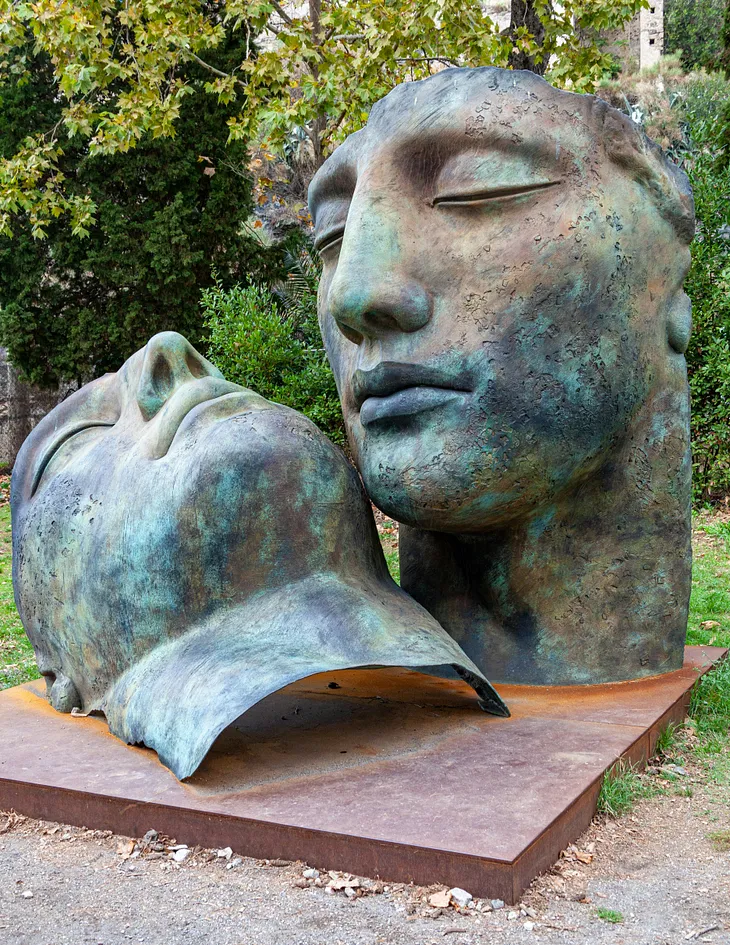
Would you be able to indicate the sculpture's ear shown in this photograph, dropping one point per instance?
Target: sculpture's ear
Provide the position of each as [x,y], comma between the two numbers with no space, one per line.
[679,322]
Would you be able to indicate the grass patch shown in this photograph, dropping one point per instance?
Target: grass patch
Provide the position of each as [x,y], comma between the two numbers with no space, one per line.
[17,663]
[393,562]
[709,623]
[720,840]
[710,709]
[709,606]
[388,533]
[609,915]
[666,741]
[621,788]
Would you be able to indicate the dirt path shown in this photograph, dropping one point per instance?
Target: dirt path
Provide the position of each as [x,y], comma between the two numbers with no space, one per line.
[659,868]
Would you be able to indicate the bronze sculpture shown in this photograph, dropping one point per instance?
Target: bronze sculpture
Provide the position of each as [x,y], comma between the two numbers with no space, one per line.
[502,307]
[182,548]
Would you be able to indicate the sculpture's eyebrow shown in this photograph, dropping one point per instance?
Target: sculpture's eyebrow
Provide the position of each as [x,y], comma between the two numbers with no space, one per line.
[335,181]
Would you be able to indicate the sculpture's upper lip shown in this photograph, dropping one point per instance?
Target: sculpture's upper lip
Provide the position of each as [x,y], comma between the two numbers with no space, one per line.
[389,377]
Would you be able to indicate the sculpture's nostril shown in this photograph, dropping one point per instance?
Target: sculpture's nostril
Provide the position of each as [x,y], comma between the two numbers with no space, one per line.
[364,306]
[354,336]
[169,363]
[162,375]
[196,366]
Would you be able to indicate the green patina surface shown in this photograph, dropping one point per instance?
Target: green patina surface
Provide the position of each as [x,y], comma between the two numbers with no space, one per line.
[182,548]
[502,306]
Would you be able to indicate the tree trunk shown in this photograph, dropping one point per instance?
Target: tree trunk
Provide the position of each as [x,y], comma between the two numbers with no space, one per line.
[523,14]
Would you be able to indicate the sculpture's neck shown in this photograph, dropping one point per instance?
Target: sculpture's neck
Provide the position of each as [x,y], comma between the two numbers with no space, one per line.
[595,588]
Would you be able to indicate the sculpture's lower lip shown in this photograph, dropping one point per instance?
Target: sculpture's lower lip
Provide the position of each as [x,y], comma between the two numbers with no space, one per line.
[407,403]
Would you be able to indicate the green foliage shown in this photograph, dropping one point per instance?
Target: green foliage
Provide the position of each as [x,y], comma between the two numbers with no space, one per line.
[271,343]
[609,915]
[708,357]
[665,741]
[17,663]
[694,28]
[120,72]
[166,214]
[708,285]
[621,788]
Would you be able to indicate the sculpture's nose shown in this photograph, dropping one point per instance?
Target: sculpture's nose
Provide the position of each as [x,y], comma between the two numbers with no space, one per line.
[170,361]
[372,293]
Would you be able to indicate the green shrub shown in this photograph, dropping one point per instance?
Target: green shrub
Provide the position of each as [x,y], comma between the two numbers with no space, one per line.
[704,106]
[270,341]
[694,28]
[708,357]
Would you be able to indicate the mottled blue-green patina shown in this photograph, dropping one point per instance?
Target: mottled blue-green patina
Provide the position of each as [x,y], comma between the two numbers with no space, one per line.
[182,548]
[502,306]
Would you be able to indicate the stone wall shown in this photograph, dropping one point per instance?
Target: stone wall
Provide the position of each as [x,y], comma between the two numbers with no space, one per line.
[640,44]
[651,34]
[21,407]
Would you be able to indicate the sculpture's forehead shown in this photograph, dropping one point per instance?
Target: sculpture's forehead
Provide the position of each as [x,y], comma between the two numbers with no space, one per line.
[459,101]
[516,113]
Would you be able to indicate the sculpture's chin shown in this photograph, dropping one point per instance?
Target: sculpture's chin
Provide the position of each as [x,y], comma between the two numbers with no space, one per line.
[462,499]
[459,483]
[437,507]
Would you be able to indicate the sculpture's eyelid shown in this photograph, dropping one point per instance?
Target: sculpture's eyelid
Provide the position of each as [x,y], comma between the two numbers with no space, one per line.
[330,236]
[62,437]
[475,194]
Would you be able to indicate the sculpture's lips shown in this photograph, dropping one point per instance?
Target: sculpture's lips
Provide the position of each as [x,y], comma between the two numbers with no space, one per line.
[394,389]
[221,404]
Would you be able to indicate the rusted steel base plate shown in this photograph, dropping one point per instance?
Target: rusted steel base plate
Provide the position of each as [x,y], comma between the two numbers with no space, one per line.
[384,773]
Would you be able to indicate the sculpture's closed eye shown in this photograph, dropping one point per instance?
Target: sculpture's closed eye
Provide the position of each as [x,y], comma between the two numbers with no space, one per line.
[479,195]
[329,239]
[73,432]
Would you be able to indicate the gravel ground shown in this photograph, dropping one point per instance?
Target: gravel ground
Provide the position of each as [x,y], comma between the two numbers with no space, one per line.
[662,868]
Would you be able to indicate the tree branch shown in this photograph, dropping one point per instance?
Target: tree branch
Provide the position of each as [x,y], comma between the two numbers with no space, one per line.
[282,12]
[447,62]
[222,75]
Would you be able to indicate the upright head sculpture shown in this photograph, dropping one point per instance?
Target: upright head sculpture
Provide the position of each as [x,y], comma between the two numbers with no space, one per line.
[502,306]
[182,548]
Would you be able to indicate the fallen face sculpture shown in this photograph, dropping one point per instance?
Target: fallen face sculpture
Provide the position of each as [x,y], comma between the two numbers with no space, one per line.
[182,548]
[502,305]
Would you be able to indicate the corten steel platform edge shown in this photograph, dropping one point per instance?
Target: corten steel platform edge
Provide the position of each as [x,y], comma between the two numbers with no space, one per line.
[391,861]
[545,850]
[394,862]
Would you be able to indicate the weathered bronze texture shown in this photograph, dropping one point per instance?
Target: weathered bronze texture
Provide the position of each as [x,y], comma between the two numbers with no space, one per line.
[182,548]
[411,786]
[502,306]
